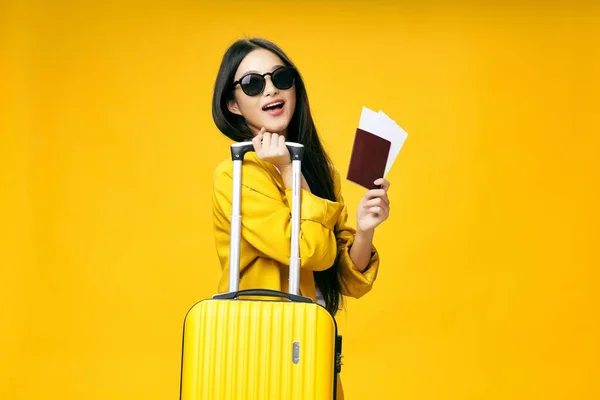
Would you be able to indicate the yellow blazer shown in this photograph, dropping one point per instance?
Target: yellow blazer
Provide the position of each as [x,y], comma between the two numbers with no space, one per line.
[265,232]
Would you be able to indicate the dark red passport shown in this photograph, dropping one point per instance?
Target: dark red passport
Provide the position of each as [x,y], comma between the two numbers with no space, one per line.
[368,159]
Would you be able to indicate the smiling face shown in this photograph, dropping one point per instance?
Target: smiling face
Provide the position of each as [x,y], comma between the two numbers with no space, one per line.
[273,108]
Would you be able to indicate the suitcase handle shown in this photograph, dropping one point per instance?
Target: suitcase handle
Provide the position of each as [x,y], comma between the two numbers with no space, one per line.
[238,151]
[262,292]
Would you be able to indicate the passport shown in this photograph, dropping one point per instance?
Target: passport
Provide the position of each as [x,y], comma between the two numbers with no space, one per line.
[368,159]
[377,142]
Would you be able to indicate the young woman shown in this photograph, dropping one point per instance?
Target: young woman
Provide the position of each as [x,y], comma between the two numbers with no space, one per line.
[259,95]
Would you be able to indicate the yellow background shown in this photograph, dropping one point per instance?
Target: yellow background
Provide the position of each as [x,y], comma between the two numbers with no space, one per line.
[489,283]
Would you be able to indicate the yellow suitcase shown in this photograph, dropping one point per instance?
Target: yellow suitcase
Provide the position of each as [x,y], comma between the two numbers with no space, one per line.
[260,344]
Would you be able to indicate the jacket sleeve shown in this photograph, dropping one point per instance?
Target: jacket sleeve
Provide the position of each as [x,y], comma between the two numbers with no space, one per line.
[266,218]
[354,282]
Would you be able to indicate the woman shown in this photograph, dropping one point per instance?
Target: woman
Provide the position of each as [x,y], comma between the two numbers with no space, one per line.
[259,95]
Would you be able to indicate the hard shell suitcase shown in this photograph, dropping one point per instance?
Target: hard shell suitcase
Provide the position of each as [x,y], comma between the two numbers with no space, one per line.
[250,348]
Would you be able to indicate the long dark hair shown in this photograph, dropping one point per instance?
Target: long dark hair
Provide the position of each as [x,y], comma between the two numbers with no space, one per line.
[316,165]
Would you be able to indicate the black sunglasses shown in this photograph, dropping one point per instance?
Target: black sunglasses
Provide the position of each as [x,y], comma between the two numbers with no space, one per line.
[253,83]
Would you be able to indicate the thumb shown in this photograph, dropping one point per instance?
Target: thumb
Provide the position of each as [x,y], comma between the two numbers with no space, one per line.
[257,142]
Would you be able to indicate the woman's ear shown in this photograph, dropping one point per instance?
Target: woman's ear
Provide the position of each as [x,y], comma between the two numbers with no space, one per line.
[233,107]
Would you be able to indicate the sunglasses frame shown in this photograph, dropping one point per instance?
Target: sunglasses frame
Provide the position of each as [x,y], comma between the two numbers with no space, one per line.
[239,81]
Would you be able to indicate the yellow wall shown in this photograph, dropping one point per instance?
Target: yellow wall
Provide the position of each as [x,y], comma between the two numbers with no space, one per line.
[488,287]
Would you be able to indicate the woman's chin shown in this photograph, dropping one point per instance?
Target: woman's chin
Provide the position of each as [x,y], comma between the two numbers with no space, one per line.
[276,128]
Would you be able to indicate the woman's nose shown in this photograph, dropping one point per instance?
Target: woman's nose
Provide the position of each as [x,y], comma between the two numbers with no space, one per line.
[270,89]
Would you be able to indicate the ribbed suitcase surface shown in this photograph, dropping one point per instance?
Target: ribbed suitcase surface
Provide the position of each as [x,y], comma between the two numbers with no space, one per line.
[253,349]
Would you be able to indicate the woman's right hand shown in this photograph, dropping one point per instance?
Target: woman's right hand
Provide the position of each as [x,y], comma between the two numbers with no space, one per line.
[271,147]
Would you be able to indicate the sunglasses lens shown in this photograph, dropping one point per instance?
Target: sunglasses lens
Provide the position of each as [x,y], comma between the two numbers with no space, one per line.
[284,78]
[252,84]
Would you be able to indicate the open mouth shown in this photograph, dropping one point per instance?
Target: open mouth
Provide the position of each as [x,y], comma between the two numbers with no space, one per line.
[273,106]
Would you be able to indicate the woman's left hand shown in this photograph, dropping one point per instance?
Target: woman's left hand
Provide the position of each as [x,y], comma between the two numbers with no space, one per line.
[374,207]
